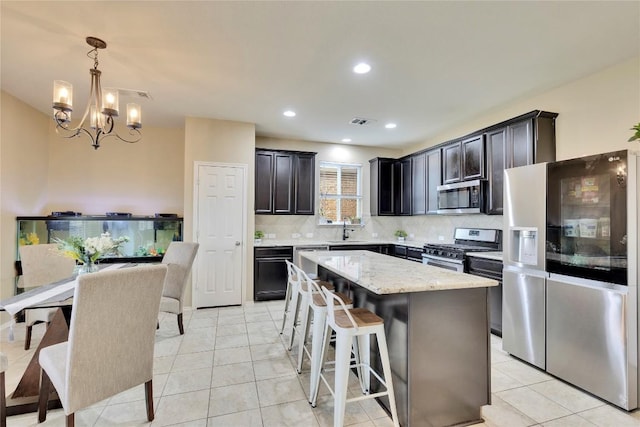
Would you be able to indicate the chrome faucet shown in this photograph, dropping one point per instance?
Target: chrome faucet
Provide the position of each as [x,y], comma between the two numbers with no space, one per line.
[345,230]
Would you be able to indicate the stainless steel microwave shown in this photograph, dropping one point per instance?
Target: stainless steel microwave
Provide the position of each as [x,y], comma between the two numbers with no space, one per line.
[461,198]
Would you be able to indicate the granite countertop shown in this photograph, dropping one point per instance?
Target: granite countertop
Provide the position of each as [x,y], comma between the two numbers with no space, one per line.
[302,243]
[497,256]
[383,274]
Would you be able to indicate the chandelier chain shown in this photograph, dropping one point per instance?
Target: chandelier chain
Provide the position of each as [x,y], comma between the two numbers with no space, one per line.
[94,51]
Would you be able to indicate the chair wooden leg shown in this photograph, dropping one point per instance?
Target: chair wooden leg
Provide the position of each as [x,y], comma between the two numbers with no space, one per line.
[27,338]
[148,394]
[3,402]
[45,385]
[71,420]
[180,327]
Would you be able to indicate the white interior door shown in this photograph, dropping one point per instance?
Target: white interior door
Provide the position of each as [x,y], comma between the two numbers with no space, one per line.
[219,228]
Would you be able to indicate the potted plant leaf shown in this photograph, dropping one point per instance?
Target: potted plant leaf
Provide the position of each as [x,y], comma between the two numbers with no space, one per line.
[637,134]
[257,237]
[400,234]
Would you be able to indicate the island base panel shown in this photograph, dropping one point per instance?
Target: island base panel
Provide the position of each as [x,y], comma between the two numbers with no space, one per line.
[450,356]
[439,351]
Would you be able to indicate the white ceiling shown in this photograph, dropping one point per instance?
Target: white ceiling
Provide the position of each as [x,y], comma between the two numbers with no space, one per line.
[435,64]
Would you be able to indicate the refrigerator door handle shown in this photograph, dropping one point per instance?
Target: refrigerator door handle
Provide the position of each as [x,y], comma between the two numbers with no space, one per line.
[587,283]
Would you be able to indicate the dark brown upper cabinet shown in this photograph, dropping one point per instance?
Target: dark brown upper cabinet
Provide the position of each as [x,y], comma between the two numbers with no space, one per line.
[434,178]
[264,182]
[404,186]
[304,182]
[382,186]
[522,141]
[463,160]
[451,162]
[419,184]
[408,186]
[473,158]
[285,182]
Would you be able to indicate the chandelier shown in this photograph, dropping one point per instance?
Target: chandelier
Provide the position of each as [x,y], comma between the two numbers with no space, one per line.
[101,109]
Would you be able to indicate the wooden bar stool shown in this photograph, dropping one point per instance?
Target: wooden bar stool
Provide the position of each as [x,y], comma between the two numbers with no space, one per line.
[348,324]
[317,307]
[301,305]
[293,283]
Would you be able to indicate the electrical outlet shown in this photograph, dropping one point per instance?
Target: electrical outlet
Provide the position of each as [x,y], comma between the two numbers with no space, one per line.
[441,238]
[374,235]
[271,236]
[295,235]
[412,236]
[309,235]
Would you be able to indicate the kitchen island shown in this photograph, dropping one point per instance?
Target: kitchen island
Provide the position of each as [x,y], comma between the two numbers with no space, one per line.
[437,327]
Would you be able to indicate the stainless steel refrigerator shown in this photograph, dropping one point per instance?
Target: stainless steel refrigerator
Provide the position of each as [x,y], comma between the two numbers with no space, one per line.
[524,276]
[592,290]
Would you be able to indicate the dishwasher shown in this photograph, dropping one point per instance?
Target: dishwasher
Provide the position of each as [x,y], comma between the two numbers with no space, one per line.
[308,267]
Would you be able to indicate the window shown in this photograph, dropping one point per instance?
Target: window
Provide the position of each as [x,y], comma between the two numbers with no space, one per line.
[340,192]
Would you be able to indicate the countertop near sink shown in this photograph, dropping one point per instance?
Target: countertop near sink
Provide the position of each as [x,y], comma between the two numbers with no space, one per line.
[496,256]
[305,242]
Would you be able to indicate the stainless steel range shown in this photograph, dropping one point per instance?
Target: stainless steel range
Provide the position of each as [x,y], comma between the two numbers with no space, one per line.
[452,256]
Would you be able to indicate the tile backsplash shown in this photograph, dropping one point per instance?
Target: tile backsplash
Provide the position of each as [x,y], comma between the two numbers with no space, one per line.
[424,228]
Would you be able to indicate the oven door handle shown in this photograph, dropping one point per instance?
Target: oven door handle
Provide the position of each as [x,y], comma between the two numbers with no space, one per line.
[441,259]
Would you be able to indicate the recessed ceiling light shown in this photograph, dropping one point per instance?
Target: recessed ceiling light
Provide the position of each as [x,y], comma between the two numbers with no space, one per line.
[362,68]
[289,113]
[390,125]
[346,139]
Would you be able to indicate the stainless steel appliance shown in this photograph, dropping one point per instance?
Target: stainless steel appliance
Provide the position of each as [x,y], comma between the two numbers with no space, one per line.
[461,198]
[452,256]
[523,275]
[303,263]
[592,291]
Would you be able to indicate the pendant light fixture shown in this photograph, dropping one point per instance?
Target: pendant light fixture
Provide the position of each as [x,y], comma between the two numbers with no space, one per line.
[101,110]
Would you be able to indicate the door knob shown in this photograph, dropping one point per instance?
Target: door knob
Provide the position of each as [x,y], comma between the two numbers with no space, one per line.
[237,243]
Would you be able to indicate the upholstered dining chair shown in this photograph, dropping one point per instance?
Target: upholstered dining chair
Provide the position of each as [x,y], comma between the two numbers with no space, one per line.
[111,340]
[41,265]
[179,259]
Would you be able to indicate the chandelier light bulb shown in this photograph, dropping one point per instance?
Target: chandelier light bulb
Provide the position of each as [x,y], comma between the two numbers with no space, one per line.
[62,95]
[134,119]
[110,102]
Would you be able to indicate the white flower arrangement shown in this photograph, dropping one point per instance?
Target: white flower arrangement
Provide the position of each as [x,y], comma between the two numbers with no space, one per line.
[89,250]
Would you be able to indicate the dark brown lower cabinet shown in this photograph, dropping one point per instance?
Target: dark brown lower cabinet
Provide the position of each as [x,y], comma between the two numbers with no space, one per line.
[270,272]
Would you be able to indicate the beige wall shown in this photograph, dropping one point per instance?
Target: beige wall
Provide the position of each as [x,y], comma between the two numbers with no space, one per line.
[595,113]
[209,140]
[142,178]
[23,177]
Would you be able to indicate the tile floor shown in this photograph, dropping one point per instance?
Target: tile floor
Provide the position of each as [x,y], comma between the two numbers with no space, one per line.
[231,368]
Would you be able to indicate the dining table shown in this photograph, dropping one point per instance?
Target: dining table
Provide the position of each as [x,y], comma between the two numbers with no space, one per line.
[54,295]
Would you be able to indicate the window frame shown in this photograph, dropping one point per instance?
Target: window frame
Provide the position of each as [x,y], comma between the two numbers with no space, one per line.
[359,197]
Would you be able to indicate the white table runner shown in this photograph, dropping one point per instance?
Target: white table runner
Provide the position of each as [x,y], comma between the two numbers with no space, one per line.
[54,292]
